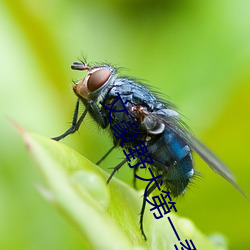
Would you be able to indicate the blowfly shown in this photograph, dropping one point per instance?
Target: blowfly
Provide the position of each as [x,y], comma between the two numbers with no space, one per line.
[167,138]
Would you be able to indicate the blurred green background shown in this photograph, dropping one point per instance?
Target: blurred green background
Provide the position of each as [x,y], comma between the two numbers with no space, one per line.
[195,52]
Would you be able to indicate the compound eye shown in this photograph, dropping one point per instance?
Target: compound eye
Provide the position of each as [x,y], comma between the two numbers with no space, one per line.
[97,79]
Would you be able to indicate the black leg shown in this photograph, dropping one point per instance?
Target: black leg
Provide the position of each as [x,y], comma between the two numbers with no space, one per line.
[105,156]
[75,116]
[141,217]
[134,180]
[99,115]
[75,124]
[116,169]
[149,191]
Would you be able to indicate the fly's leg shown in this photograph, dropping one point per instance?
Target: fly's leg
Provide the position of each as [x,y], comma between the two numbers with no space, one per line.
[141,217]
[98,114]
[105,155]
[102,120]
[116,169]
[149,191]
[134,180]
[75,124]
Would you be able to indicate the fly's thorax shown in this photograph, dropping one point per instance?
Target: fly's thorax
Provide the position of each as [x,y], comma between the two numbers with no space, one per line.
[94,85]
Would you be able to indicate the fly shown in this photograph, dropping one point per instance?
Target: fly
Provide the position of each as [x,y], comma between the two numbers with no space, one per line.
[168,140]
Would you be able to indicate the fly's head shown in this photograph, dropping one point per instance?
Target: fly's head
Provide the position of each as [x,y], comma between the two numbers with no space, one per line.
[96,79]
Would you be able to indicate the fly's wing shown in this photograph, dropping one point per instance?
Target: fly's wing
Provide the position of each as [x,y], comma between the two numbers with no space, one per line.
[175,124]
[212,160]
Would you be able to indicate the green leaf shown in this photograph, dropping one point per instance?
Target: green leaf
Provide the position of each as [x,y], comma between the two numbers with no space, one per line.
[106,215]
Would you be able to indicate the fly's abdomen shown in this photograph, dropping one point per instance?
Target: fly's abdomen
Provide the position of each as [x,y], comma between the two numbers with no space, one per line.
[175,159]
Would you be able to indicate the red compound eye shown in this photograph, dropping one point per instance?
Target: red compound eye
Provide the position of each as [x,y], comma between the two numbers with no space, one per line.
[97,79]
